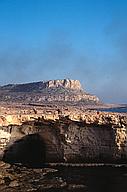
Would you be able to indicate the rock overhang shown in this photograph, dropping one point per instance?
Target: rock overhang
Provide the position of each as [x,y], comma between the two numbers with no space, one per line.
[74,138]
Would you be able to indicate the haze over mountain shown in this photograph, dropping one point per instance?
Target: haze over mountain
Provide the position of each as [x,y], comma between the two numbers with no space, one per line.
[54,39]
[65,90]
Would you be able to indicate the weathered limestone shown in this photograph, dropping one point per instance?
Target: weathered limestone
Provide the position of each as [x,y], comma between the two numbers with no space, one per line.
[66,83]
[4,138]
[52,90]
[84,137]
[49,122]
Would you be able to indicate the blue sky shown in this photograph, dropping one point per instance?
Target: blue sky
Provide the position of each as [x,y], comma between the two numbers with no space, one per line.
[56,39]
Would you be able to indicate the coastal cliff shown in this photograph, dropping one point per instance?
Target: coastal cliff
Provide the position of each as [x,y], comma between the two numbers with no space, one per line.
[77,138]
[47,122]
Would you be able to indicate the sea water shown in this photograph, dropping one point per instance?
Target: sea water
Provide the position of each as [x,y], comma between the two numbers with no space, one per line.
[115,110]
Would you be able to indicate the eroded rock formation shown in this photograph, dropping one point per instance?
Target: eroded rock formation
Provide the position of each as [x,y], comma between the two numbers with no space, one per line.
[84,137]
[37,86]
[34,130]
[52,90]
[66,83]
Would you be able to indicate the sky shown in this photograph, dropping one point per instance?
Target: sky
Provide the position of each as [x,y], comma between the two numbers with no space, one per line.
[56,39]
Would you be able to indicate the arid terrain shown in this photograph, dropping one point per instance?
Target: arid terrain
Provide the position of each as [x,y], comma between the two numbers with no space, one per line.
[53,123]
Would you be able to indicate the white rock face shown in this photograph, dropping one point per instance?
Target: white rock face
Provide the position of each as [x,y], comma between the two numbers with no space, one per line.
[4,138]
[66,83]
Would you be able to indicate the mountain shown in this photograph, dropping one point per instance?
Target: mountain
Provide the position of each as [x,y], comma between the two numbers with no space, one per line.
[52,90]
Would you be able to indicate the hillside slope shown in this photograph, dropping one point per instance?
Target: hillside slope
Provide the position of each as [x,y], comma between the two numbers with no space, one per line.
[52,90]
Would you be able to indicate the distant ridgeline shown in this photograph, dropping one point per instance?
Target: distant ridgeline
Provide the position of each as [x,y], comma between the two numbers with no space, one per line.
[52,90]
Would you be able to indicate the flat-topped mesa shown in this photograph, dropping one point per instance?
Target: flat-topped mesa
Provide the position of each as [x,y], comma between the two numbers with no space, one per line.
[66,83]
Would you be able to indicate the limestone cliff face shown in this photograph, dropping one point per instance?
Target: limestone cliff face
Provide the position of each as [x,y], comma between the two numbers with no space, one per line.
[76,138]
[66,83]
[38,86]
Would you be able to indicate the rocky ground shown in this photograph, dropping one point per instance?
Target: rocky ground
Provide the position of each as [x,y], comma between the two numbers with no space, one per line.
[91,178]
[65,133]
[18,179]
[55,121]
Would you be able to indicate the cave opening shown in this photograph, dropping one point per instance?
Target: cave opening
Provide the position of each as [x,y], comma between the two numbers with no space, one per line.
[29,151]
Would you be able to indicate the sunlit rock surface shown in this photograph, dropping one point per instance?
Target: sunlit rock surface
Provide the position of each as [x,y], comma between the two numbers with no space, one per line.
[70,137]
[50,121]
[52,90]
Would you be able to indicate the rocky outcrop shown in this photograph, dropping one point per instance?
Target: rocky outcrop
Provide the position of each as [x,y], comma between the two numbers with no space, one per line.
[38,86]
[87,137]
[66,83]
[65,90]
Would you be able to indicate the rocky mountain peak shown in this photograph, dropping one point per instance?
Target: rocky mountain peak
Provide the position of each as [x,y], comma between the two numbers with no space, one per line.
[66,83]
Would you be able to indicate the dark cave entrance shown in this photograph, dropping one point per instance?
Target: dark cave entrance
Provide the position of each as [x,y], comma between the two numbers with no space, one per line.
[29,151]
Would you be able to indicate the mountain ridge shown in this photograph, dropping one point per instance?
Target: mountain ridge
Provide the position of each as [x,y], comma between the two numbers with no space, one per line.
[37,86]
[52,90]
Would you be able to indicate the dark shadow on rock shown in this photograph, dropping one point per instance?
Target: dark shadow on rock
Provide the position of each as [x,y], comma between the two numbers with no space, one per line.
[29,151]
